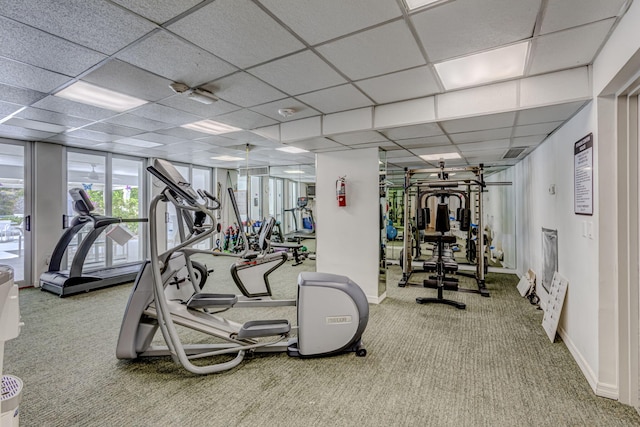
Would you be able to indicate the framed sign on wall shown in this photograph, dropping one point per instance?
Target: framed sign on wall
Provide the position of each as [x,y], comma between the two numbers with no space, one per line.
[583,175]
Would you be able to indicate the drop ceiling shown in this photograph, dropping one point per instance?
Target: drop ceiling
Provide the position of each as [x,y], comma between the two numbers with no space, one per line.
[338,64]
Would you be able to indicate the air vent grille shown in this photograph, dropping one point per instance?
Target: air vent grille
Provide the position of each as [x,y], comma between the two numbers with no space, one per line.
[261,171]
[514,152]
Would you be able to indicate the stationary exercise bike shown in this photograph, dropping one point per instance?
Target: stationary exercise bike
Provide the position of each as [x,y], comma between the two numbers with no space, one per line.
[332,310]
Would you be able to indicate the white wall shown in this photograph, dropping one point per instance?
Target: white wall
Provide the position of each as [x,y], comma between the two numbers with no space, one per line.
[49,198]
[552,164]
[348,237]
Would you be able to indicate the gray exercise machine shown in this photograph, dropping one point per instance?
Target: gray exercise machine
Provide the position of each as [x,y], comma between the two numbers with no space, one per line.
[332,310]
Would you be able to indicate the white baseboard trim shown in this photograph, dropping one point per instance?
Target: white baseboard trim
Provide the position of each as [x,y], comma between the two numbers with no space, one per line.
[375,299]
[600,389]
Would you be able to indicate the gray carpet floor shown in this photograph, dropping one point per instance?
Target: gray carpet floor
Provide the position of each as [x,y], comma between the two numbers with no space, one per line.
[489,365]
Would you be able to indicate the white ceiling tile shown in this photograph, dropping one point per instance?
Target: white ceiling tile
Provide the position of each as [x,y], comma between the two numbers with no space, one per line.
[527,141]
[168,56]
[16,95]
[159,138]
[330,150]
[7,108]
[243,89]
[64,106]
[562,14]
[164,114]
[67,139]
[490,121]
[499,144]
[113,129]
[315,144]
[245,119]
[386,145]
[484,156]
[339,98]
[15,132]
[158,11]
[381,50]
[125,78]
[35,125]
[424,141]
[98,25]
[435,150]
[324,20]
[408,84]
[551,113]
[354,138]
[52,117]
[568,49]
[183,103]
[237,31]
[537,129]
[43,50]
[463,26]
[29,77]
[398,154]
[415,131]
[481,135]
[271,109]
[137,122]
[298,73]
[218,141]
[91,135]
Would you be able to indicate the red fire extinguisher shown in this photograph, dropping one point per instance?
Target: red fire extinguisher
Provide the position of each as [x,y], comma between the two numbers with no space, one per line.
[341,191]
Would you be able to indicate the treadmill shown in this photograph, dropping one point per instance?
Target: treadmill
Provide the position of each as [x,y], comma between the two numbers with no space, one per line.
[301,233]
[75,280]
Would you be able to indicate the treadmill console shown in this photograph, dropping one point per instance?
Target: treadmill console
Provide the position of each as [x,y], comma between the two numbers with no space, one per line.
[167,173]
[81,202]
[302,202]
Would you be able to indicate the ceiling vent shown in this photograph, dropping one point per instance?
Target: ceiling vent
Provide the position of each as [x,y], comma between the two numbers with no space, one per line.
[260,171]
[513,153]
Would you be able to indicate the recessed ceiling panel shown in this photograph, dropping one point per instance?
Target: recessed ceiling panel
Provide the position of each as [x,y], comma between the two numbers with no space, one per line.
[527,141]
[158,11]
[245,90]
[137,122]
[562,14]
[64,106]
[552,113]
[16,95]
[91,135]
[159,138]
[316,143]
[164,114]
[52,117]
[237,31]
[538,129]
[464,26]
[299,73]
[183,103]
[425,141]
[113,129]
[414,131]
[481,135]
[271,109]
[43,50]
[129,80]
[7,108]
[339,98]
[320,21]
[408,84]
[102,27]
[35,125]
[381,50]
[167,56]
[245,119]
[470,124]
[29,77]
[570,48]
[354,138]
[496,144]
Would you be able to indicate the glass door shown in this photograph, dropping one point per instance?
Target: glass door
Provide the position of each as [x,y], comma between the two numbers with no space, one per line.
[127,203]
[201,179]
[14,243]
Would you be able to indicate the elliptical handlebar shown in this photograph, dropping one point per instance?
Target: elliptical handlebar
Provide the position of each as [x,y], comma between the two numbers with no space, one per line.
[204,194]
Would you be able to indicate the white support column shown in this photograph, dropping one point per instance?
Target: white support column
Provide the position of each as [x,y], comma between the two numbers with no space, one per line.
[348,237]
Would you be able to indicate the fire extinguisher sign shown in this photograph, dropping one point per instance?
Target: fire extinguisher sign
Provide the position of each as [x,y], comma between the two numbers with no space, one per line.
[341,191]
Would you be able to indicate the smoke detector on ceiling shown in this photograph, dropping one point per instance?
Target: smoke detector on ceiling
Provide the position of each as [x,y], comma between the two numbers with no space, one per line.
[286,112]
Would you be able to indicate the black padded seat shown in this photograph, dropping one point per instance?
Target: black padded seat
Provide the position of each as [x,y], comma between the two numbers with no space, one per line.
[434,238]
